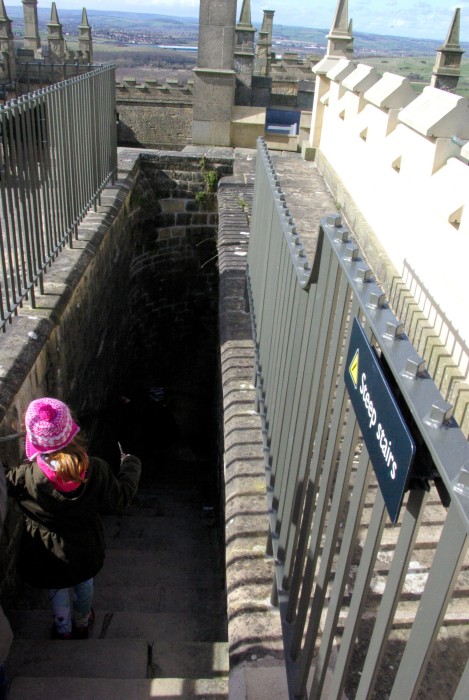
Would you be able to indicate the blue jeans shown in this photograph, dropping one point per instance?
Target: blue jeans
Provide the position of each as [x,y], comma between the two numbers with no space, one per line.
[64,601]
[3,684]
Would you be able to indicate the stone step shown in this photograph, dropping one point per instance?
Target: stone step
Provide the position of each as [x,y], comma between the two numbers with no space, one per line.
[197,515]
[159,533]
[192,660]
[174,595]
[93,658]
[187,545]
[202,626]
[189,504]
[117,658]
[149,568]
[160,611]
[60,688]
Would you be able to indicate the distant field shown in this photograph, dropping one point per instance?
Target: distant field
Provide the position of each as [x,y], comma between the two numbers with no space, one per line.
[417,68]
[143,61]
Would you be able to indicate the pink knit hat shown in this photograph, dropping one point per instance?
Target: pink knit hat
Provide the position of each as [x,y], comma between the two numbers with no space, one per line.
[49,426]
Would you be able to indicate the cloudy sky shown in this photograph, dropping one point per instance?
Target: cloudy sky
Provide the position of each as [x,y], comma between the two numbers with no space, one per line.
[428,19]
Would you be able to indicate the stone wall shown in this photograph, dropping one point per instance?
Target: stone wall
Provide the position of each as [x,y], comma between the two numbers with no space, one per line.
[146,125]
[254,629]
[132,302]
[66,346]
[152,115]
[159,115]
[174,283]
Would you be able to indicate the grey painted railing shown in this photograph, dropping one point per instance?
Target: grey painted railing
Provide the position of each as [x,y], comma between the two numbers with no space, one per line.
[36,75]
[57,153]
[330,529]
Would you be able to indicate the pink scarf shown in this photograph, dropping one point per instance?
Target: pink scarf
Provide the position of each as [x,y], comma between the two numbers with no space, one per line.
[58,482]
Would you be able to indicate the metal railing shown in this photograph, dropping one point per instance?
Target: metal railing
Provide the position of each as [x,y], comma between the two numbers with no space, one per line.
[57,152]
[38,75]
[35,75]
[330,533]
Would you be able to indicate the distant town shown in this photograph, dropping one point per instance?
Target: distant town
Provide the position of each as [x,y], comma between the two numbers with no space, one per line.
[141,29]
[138,44]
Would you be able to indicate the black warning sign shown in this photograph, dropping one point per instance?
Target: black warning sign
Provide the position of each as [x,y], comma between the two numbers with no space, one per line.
[386,435]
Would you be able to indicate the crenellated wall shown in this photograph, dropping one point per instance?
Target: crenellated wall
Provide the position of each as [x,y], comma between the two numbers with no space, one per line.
[154,115]
[397,164]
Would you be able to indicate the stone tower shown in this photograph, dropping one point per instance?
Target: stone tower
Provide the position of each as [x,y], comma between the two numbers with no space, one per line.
[215,78]
[244,55]
[55,37]
[447,68]
[340,39]
[7,52]
[31,27]
[85,40]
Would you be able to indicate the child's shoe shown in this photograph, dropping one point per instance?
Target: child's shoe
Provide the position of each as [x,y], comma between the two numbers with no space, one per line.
[83,632]
[55,634]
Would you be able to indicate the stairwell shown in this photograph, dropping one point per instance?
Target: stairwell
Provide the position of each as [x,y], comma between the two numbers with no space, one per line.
[160,627]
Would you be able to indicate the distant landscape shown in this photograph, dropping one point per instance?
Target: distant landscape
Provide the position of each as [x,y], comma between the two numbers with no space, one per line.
[134,43]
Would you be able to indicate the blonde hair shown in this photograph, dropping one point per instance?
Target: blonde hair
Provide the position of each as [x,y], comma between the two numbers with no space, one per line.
[72,461]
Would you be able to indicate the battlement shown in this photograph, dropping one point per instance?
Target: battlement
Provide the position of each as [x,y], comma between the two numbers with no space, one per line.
[397,163]
[169,90]
[292,66]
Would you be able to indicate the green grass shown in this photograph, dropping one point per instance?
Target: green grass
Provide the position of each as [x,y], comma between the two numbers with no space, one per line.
[417,68]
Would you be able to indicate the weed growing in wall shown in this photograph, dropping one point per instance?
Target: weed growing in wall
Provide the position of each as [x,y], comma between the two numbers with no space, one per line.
[210,179]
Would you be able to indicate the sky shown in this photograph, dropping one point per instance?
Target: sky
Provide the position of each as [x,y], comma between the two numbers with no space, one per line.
[426,19]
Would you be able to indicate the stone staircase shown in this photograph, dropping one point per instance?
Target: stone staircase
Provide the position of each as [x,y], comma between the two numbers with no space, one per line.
[160,629]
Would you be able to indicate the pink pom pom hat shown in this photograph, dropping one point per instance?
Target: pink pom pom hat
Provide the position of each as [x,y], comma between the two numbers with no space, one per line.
[49,426]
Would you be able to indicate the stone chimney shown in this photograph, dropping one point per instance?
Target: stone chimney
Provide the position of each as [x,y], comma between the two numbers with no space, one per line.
[55,37]
[267,26]
[85,40]
[215,78]
[244,55]
[31,27]
[264,46]
[7,51]
[262,64]
[447,68]
[340,39]
[245,31]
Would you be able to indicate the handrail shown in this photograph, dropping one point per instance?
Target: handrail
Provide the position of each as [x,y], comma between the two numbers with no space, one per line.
[57,153]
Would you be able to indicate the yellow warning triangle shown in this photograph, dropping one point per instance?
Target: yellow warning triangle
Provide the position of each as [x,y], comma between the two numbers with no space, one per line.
[353,368]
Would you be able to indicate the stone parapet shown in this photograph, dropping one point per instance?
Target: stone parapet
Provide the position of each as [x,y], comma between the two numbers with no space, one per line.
[150,91]
[438,114]
[254,631]
[154,118]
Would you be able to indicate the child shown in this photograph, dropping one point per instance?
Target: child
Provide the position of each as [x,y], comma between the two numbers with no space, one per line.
[6,635]
[61,492]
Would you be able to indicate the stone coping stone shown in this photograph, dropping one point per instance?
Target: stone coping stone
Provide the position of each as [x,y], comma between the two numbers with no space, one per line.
[254,631]
[97,658]
[110,689]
